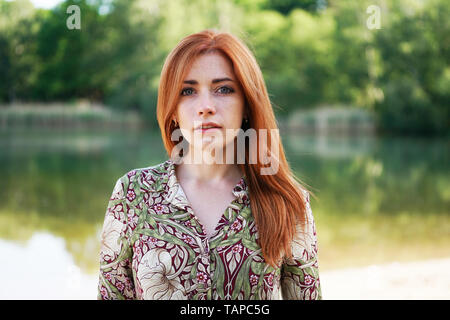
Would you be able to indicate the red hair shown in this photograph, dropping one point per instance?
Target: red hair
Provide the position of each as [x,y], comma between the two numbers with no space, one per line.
[277,201]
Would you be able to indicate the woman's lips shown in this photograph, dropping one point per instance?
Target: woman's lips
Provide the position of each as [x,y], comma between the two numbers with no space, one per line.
[207,129]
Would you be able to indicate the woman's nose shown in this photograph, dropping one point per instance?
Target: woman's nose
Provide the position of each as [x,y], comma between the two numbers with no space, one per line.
[206,105]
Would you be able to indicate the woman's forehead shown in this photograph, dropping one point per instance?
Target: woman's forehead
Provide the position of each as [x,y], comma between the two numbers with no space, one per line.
[212,65]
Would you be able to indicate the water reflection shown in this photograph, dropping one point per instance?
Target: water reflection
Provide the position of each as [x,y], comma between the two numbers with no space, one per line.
[331,147]
[378,200]
[42,268]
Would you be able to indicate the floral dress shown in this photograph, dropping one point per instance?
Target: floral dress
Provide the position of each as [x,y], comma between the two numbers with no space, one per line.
[154,247]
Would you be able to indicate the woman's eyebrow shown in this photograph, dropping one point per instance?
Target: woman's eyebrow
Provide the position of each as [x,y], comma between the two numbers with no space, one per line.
[213,81]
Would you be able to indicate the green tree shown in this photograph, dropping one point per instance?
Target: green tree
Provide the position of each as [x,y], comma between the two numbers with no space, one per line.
[415,79]
[18,30]
[72,62]
[286,6]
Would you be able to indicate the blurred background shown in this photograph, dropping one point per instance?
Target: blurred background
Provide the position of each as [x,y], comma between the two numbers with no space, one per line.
[361,90]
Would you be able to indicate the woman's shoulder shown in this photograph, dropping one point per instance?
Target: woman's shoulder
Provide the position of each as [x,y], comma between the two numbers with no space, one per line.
[156,169]
[145,176]
[305,239]
[309,217]
[305,194]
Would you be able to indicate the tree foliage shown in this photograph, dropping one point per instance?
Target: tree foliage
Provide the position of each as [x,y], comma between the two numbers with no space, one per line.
[311,52]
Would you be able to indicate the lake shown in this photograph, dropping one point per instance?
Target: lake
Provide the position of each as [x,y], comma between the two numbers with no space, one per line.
[377,200]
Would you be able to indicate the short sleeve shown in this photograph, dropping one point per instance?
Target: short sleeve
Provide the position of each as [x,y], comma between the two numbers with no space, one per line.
[300,273]
[115,278]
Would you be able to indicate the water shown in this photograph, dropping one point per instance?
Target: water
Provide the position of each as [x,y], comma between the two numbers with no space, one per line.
[377,201]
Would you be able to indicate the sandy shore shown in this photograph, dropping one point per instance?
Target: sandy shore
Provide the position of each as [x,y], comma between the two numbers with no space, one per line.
[428,279]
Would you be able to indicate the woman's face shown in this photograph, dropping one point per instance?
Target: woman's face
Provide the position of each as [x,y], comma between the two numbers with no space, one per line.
[210,93]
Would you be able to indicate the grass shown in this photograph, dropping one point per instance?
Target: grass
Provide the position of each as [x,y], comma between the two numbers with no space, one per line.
[57,115]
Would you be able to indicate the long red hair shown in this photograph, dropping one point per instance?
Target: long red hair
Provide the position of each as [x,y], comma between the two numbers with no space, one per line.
[277,201]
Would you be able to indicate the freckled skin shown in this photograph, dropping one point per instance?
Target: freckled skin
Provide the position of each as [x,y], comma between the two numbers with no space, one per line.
[221,102]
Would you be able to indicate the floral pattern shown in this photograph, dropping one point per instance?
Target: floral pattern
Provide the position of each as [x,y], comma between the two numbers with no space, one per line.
[154,247]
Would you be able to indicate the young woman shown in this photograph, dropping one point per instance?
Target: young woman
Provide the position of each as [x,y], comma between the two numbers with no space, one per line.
[209,222]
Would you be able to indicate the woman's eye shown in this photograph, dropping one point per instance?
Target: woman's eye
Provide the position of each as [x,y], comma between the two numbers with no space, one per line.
[225,90]
[221,90]
[186,91]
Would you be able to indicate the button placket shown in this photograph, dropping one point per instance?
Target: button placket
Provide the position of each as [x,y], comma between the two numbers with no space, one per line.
[205,259]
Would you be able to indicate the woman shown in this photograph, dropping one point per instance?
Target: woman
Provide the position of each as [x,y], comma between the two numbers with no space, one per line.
[210,223]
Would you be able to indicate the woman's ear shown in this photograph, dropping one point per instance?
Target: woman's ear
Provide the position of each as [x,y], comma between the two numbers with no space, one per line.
[247,111]
[174,120]
[246,115]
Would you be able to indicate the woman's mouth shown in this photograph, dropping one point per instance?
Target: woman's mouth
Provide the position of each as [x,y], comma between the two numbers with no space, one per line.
[207,127]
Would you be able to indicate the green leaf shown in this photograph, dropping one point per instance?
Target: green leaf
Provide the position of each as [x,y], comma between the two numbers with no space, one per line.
[219,274]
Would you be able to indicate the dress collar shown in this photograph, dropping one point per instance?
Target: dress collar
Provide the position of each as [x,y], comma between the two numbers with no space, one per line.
[177,197]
